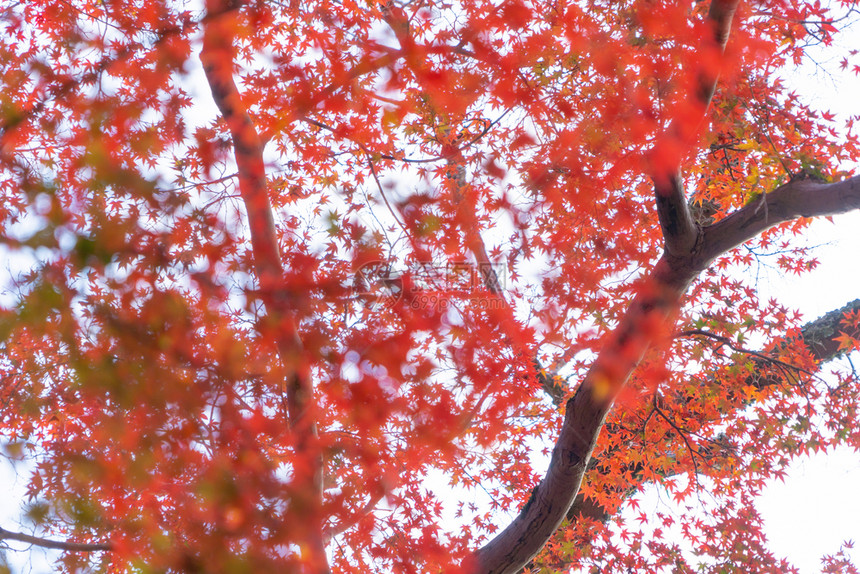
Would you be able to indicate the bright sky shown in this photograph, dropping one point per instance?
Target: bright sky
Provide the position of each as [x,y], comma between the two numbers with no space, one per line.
[818,506]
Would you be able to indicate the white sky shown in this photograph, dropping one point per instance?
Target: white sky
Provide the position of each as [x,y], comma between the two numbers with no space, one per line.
[818,506]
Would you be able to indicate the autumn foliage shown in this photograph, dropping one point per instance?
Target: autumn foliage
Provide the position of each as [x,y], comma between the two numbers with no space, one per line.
[412,286]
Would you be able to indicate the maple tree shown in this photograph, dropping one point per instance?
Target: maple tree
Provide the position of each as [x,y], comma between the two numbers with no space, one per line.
[285,269]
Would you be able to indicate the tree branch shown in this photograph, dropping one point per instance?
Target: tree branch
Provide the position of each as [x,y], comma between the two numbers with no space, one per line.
[797,198]
[650,314]
[729,343]
[56,544]
[351,521]
[720,16]
[217,56]
[821,338]
[676,222]
[466,214]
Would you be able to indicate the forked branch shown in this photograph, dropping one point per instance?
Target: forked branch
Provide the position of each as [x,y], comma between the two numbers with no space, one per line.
[648,319]
[795,199]
[650,314]
[821,338]
[679,230]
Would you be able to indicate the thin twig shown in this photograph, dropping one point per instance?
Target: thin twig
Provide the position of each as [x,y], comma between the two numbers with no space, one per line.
[683,435]
[393,156]
[728,342]
[56,544]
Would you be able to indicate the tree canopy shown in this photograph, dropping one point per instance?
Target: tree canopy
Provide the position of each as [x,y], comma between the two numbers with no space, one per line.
[417,286]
